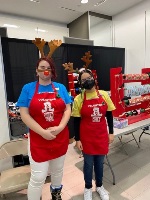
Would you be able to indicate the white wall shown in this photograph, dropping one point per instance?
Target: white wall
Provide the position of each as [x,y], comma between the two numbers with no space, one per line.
[4,135]
[27,28]
[129,33]
[4,128]
[147,56]
[102,34]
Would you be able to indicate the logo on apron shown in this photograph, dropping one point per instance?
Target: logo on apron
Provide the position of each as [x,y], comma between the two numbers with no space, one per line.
[96,116]
[48,112]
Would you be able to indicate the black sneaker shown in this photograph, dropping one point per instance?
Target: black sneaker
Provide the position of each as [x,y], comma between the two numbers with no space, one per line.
[56,194]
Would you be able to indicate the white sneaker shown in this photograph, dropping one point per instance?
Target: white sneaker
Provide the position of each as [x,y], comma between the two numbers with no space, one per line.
[87,194]
[104,195]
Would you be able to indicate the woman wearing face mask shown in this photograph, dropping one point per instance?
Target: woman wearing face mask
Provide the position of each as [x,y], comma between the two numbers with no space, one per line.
[91,133]
[45,109]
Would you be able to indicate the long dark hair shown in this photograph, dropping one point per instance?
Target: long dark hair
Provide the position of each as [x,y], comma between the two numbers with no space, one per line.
[51,63]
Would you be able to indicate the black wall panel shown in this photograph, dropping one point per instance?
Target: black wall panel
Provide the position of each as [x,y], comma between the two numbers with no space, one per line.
[20,57]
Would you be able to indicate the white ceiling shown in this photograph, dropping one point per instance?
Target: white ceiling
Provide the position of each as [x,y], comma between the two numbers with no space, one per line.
[62,11]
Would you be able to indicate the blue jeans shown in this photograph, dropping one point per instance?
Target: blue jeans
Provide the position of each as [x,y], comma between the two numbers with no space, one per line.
[97,162]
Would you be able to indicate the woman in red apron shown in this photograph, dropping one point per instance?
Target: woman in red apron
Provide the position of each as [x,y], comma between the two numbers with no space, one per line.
[89,110]
[46,114]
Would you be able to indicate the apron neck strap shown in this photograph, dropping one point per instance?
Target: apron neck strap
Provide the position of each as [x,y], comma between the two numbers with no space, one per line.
[37,87]
[53,87]
[98,94]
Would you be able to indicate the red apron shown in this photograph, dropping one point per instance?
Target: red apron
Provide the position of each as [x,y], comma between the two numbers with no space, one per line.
[93,127]
[47,109]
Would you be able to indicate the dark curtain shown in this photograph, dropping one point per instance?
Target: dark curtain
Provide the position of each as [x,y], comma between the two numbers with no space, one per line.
[105,58]
[75,53]
[20,57]
[60,56]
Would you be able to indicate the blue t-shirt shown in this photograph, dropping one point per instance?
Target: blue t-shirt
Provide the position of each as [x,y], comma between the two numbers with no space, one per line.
[28,91]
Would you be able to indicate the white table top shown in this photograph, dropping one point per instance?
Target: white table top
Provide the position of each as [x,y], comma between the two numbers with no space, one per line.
[131,127]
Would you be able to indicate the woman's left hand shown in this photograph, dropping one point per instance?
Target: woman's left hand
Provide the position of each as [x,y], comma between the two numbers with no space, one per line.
[55,130]
[111,138]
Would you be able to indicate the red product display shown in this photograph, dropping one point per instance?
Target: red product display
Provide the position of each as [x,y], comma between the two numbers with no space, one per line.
[71,80]
[95,77]
[70,77]
[71,85]
[117,80]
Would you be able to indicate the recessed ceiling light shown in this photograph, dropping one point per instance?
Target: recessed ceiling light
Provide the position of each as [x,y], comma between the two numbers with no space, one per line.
[35,1]
[40,30]
[99,3]
[84,1]
[10,25]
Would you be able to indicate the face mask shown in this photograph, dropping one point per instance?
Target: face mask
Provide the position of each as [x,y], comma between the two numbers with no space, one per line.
[88,84]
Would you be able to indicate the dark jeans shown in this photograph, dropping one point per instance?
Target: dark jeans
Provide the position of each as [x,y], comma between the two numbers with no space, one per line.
[89,161]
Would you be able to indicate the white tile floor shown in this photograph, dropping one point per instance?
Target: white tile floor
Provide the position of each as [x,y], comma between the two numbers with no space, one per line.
[132,173]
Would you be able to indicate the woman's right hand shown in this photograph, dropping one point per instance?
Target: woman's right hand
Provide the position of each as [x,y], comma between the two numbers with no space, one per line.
[48,135]
[79,145]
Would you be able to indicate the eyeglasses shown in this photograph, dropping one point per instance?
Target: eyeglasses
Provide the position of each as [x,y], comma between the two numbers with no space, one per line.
[88,78]
[43,68]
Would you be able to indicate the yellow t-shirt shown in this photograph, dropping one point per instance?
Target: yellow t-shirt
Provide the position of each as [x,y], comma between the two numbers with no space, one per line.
[78,101]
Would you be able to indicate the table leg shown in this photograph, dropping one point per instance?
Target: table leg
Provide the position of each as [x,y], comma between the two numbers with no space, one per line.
[108,163]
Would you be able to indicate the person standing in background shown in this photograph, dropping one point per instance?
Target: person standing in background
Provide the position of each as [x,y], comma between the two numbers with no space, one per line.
[45,109]
[91,133]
